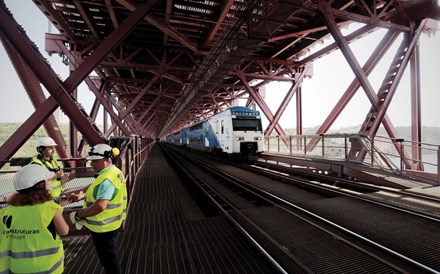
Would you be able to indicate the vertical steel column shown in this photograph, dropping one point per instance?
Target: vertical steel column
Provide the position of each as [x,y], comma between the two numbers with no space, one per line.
[416,119]
[73,131]
[438,164]
[345,147]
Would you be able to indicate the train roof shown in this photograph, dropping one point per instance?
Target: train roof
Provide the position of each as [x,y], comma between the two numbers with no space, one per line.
[236,110]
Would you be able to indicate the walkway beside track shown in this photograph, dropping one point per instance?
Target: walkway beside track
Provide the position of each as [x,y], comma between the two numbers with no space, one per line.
[360,171]
[166,232]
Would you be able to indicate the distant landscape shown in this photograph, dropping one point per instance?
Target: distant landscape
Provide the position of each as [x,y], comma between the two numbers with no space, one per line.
[430,135]
[28,149]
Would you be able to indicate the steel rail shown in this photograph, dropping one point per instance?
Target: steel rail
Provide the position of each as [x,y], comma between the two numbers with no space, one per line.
[245,186]
[224,212]
[344,193]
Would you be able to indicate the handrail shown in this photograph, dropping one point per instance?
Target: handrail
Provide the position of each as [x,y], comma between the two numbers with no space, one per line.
[391,154]
[134,151]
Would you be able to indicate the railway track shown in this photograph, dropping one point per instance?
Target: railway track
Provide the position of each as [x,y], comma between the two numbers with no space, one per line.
[299,231]
[425,205]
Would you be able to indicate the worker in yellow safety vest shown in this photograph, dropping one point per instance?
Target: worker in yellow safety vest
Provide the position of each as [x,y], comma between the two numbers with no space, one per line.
[104,207]
[31,225]
[46,158]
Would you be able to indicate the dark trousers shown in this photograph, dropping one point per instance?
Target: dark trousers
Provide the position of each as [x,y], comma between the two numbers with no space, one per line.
[105,245]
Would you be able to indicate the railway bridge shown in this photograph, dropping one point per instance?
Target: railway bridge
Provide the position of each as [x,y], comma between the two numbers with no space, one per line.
[153,67]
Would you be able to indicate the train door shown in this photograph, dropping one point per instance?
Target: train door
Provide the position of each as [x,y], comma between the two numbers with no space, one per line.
[206,135]
[226,133]
[221,135]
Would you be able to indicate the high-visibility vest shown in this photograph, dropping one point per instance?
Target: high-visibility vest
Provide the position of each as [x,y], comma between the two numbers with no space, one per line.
[110,218]
[52,165]
[26,245]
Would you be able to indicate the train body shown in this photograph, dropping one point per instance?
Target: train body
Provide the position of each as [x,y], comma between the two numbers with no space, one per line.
[236,132]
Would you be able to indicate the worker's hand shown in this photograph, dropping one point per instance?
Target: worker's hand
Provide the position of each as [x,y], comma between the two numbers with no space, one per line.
[57,175]
[72,217]
[78,222]
[76,197]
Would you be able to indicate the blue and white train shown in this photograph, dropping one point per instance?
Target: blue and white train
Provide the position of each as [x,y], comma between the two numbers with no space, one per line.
[236,132]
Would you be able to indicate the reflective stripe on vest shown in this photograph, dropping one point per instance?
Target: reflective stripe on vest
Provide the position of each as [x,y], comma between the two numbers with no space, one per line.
[26,245]
[111,218]
[107,221]
[109,206]
[51,270]
[29,254]
[55,186]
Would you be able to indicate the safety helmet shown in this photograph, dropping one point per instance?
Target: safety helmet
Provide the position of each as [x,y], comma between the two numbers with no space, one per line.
[101,151]
[46,142]
[30,175]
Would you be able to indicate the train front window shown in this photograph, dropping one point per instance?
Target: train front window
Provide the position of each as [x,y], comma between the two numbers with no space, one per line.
[246,124]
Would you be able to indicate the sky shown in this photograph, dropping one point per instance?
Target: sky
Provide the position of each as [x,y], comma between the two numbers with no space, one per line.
[331,76]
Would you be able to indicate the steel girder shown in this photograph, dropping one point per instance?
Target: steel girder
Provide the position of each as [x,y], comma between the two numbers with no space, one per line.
[60,91]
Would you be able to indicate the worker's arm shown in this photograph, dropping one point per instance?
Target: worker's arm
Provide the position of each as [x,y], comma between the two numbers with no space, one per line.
[75,197]
[104,194]
[61,226]
[97,207]
[57,175]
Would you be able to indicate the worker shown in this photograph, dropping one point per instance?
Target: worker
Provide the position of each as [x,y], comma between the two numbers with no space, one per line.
[105,205]
[31,225]
[46,158]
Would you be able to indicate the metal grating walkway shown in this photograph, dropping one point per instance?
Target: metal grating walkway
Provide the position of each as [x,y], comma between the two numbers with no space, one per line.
[166,232]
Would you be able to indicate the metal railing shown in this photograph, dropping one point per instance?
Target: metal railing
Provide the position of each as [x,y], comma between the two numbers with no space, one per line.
[396,155]
[73,178]
[77,175]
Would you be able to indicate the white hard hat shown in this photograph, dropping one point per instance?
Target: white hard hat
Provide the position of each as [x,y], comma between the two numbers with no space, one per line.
[46,142]
[100,151]
[30,175]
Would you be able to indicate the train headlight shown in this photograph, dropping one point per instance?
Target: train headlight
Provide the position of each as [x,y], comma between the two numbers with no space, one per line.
[257,138]
[239,138]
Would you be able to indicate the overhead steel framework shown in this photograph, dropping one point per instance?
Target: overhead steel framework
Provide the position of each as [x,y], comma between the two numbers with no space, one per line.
[163,64]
